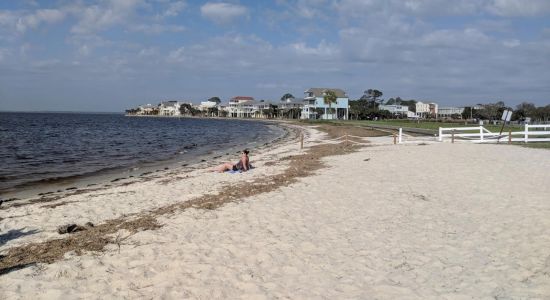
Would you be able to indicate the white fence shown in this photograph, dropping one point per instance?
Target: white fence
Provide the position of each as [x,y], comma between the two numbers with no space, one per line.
[531,133]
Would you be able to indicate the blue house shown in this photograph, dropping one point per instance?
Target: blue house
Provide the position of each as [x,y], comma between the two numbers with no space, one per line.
[316,108]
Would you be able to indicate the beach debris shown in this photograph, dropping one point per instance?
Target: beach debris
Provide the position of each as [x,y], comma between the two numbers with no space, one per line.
[366,159]
[70,228]
[421,197]
[71,188]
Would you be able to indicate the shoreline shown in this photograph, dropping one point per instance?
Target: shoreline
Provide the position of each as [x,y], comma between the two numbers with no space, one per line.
[196,185]
[124,174]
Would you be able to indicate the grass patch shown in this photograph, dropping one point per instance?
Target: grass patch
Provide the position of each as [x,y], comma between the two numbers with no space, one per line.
[422,124]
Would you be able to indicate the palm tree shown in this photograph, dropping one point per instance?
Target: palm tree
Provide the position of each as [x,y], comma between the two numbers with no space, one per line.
[329,97]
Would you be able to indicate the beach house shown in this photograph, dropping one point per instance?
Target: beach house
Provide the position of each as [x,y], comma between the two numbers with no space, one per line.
[211,108]
[402,110]
[146,109]
[169,108]
[315,107]
[450,112]
[241,107]
[290,108]
[426,110]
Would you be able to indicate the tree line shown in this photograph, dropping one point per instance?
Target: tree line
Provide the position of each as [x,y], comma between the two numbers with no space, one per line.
[522,111]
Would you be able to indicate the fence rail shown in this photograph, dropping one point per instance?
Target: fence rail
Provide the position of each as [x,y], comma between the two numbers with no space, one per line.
[531,133]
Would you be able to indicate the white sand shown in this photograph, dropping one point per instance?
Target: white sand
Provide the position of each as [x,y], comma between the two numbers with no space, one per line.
[442,221]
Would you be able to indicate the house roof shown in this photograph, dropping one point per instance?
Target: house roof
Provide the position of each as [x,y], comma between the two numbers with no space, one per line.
[169,103]
[255,102]
[293,101]
[318,92]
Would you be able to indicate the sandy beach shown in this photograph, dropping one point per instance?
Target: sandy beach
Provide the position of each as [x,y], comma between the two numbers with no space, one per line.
[382,221]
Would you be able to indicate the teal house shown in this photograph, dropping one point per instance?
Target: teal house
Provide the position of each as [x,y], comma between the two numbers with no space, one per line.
[316,108]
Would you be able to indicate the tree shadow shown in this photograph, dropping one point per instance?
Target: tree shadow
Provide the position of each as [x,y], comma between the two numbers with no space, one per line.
[15,234]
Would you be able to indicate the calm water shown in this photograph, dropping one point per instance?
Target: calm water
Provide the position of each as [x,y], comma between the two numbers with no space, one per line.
[38,148]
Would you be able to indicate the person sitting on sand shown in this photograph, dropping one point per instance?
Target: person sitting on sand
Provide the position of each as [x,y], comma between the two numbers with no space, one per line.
[243,164]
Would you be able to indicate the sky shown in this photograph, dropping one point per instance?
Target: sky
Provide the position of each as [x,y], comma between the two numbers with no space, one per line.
[110,55]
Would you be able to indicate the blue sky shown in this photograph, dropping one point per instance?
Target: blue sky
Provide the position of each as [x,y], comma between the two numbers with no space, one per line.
[108,55]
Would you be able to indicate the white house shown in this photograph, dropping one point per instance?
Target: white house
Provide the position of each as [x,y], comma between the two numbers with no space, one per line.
[424,110]
[395,109]
[169,108]
[241,107]
[314,100]
[146,109]
[205,105]
[447,112]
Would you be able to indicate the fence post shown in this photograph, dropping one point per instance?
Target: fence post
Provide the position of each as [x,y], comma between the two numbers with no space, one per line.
[481,133]
[510,137]
[400,135]
[394,138]
[301,141]
[526,138]
[453,136]
[440,134]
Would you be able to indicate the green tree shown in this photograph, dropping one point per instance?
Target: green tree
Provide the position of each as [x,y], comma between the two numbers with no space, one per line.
[187,109]
[373,96]
[492,111]
[525,109]
[212,111]
[271,111]
[215,99]
[329,97]
[287,96]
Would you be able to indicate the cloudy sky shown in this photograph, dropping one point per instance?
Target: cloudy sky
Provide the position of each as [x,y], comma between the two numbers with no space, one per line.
[108,55]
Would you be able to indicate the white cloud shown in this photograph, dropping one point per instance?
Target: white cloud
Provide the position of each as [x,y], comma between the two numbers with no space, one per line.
[174,8]
[311,9]
[223,13]
[148,52]
[24,49]
[45,64]
[439,7]
[4,53]
[177,56]
[84,50]
[323,49]
[157,28]
[7,18]
[32,21]
[467,38]
[99,17]
[519,8]
[511,43]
